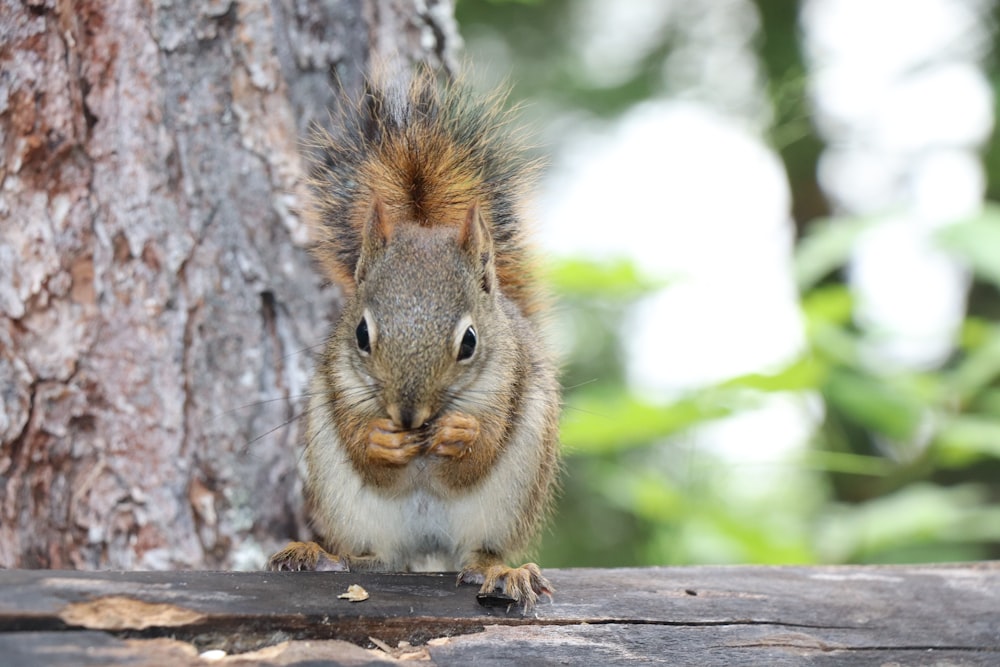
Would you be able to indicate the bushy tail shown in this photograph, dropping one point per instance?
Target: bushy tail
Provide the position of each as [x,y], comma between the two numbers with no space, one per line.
[428,151]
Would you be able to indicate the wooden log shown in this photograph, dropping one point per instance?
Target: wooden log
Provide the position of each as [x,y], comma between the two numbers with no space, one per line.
[711,615]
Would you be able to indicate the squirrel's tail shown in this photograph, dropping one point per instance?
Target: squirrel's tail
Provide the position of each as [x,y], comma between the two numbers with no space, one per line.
[428,151]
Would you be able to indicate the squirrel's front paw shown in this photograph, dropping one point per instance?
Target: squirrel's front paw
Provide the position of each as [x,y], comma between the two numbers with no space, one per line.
[522,584]
[387,443]
[454,433]
[300,556]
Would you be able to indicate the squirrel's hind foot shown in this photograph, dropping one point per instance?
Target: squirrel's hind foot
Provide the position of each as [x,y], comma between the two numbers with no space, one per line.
[305,556]
[522,584]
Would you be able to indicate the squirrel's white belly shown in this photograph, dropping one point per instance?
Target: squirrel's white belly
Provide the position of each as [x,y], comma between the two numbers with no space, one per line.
[415,531]
[419,529]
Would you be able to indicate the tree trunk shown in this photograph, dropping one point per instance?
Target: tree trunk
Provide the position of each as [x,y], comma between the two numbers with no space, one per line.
[158,310]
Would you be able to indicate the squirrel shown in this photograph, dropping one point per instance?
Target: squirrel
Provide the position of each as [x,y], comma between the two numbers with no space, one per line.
[432,432]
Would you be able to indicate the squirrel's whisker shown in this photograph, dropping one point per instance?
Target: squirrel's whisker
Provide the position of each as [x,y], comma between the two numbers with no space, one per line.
[308,348]
[256,404]
[246,447]
[580,384]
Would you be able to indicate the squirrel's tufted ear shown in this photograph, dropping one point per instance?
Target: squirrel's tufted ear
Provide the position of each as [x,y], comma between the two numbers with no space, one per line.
[374,238]
[475,239]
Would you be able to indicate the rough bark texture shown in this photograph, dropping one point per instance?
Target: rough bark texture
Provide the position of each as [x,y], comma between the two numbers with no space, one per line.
[158,309]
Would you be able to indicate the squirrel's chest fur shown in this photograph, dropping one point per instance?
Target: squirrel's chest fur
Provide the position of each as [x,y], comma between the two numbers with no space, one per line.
[422,526]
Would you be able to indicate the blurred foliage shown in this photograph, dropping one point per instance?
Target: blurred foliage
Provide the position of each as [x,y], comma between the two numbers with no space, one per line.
[903,465]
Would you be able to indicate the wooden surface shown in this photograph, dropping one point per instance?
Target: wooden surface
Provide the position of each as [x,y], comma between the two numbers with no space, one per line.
[892,615]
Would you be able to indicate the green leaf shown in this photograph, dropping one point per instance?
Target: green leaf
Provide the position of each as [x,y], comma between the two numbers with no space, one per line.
[919,514]
[803,374]
[830,304]
[968,436]
[977,242]
[828,311]
[836,344]
[988,403]
[848,463]
[609,421]
[826,247]
[647,494]
[875,403]
[617,279]
[975,331]
[978,370]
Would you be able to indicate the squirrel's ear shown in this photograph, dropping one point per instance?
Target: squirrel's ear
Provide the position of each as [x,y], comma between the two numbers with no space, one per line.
[374,237]
[475,239]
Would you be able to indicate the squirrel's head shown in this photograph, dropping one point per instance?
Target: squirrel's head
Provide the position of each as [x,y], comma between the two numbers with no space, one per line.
[424,325]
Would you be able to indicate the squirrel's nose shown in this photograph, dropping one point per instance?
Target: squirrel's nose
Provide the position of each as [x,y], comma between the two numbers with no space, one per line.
[408,416]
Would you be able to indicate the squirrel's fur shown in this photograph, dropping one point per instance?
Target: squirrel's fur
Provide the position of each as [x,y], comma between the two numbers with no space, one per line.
[427,151]
[432,437]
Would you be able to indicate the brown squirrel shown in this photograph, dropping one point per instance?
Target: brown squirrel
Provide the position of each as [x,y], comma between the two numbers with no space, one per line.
[432,438]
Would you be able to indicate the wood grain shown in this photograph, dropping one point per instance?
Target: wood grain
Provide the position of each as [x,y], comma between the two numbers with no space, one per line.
[912,615]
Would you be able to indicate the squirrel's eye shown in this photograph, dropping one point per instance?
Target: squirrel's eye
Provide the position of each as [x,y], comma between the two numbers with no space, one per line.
[468,345]
[364,344]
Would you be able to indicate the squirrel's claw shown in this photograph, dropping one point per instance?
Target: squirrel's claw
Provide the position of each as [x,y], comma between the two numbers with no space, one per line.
[522,584]
[389,444]
[305,556]
[454,434]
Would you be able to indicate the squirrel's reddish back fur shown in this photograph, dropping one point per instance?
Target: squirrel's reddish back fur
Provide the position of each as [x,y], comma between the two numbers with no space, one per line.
[427,151]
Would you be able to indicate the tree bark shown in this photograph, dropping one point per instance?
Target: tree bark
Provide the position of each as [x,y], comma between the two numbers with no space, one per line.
[158,308]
